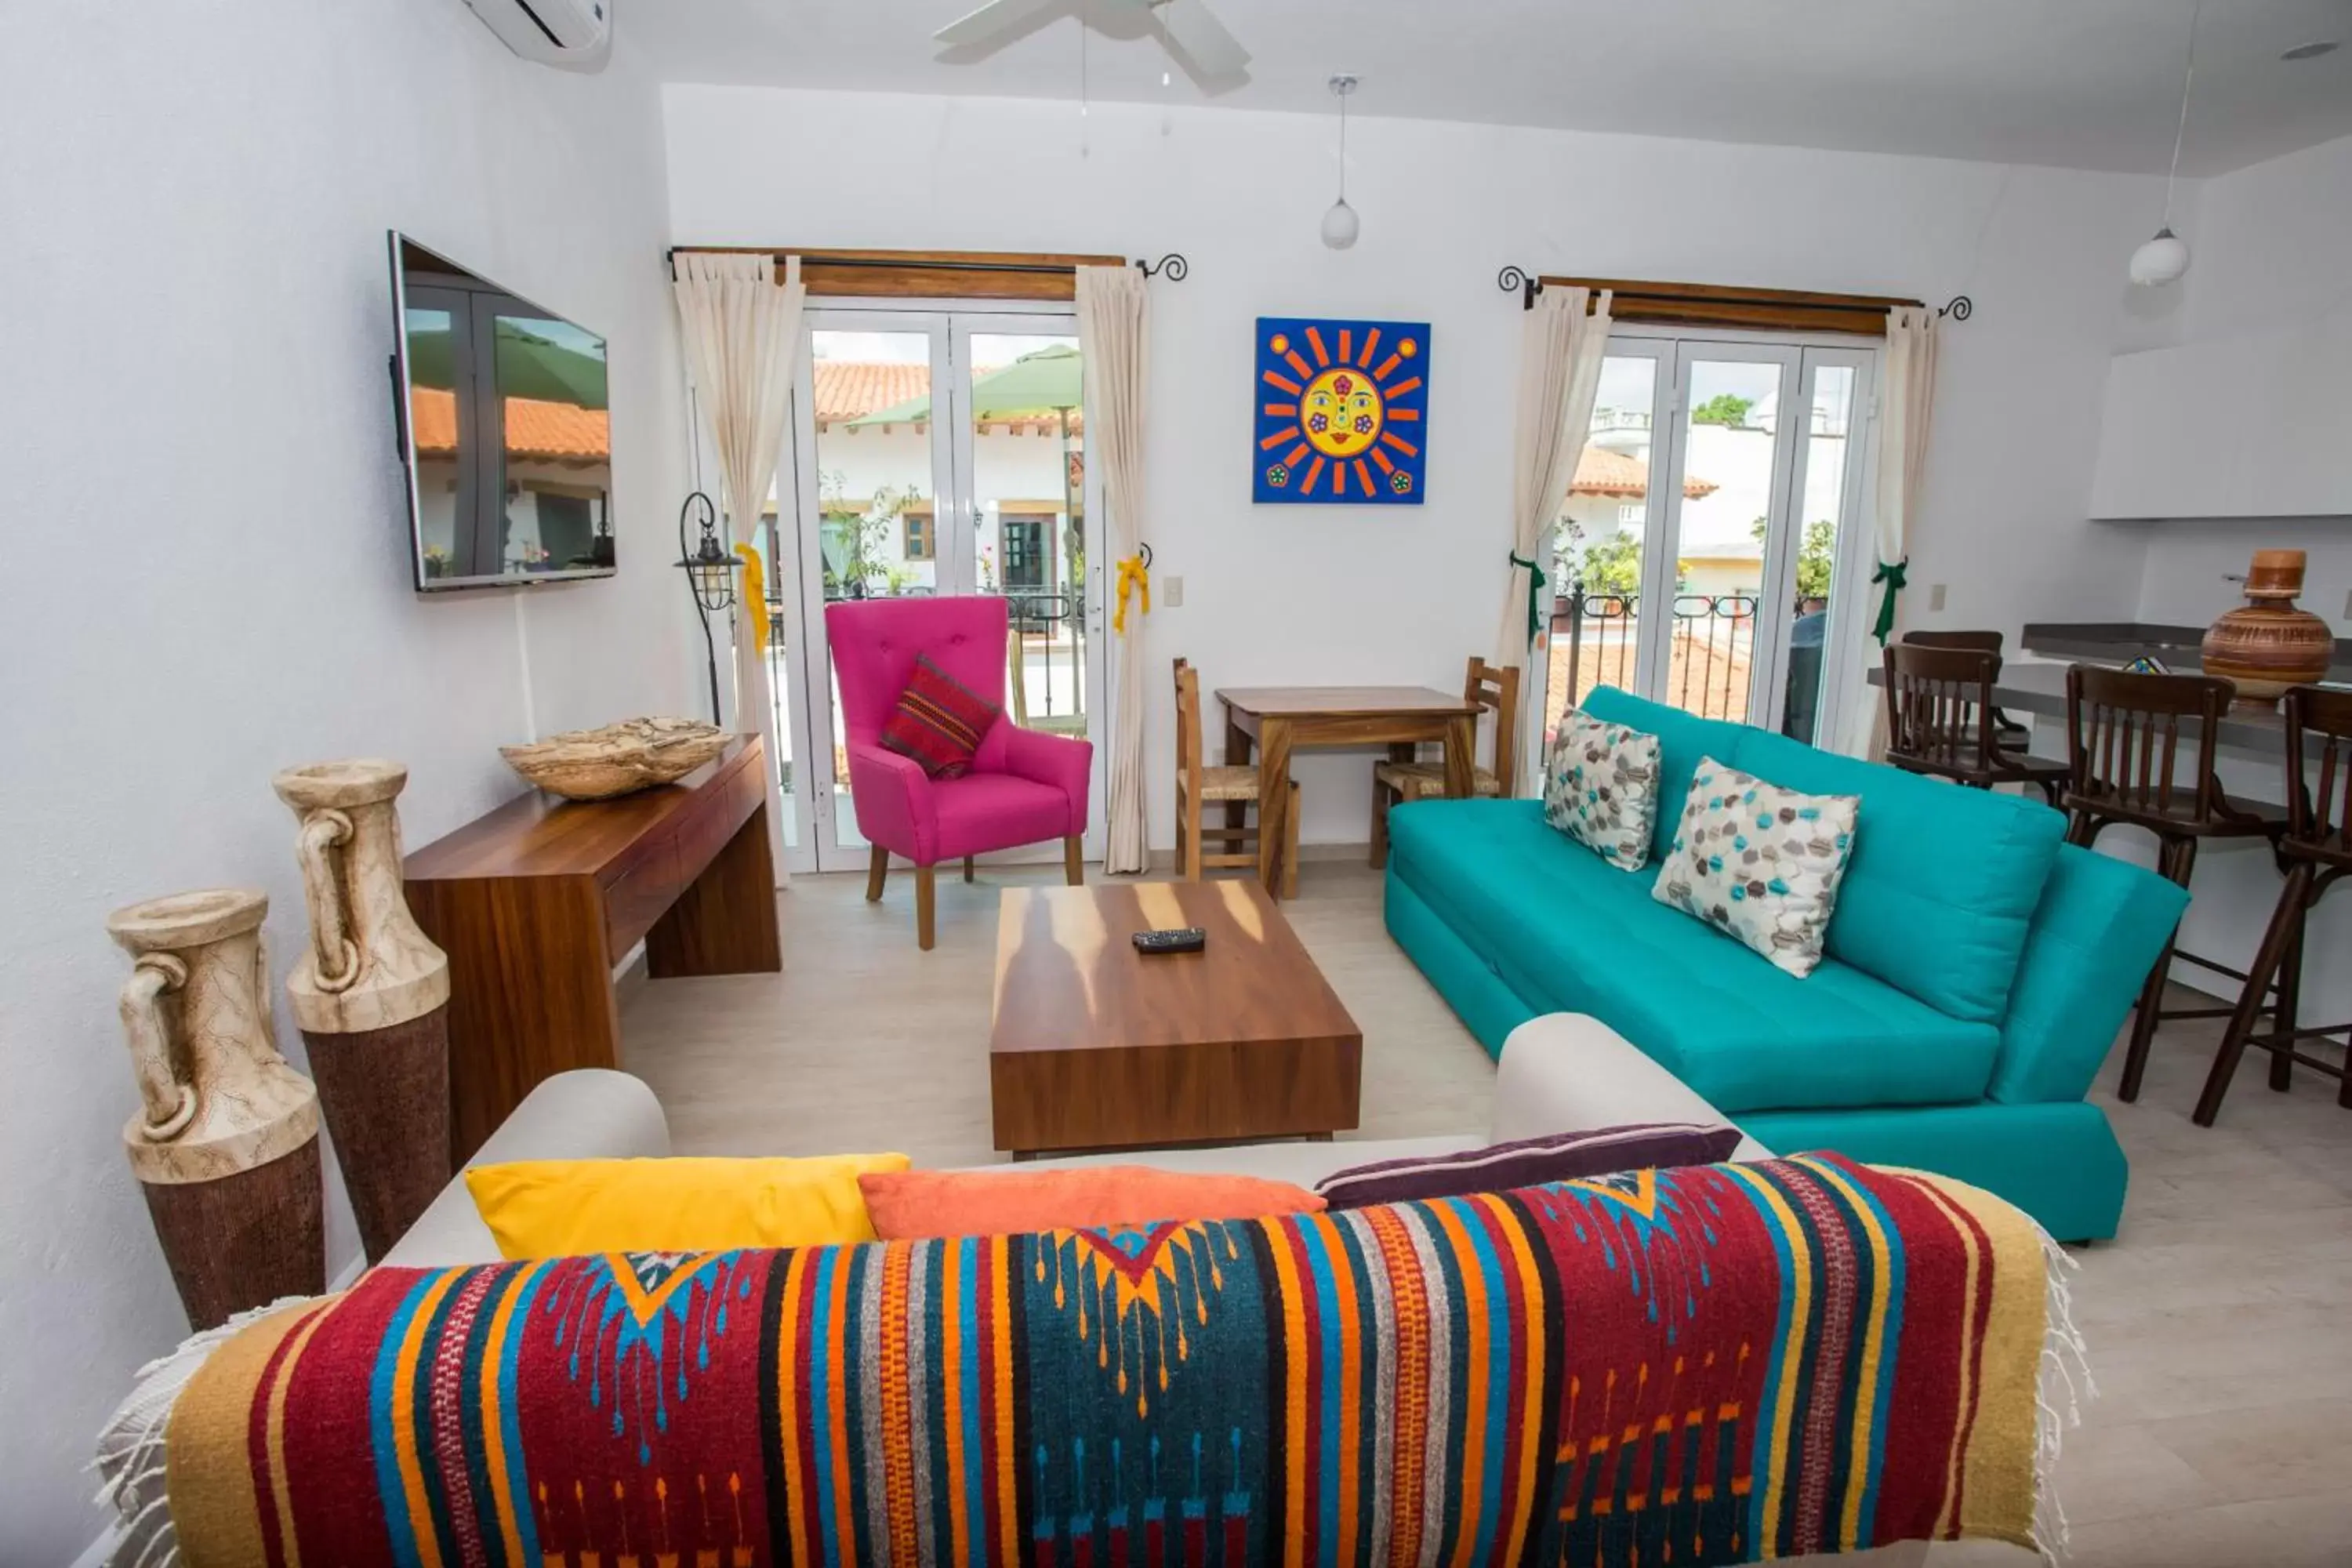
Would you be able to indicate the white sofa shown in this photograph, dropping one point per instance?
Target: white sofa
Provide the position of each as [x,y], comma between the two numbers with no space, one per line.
[1558,1074]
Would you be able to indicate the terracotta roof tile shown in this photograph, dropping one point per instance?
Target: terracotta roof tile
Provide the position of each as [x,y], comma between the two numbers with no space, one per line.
[1602,472]
[549,432]
[851,389]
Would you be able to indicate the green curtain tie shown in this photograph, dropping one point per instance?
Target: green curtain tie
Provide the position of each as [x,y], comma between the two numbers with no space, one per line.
[1536,581]
[1890,574]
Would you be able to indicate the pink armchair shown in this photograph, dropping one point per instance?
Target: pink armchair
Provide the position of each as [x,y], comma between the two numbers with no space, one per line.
[1024,788]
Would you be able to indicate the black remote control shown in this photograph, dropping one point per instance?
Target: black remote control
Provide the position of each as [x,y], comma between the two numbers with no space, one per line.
[1189,939]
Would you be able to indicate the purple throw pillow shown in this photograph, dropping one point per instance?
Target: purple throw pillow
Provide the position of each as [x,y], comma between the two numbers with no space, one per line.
[1530,1162]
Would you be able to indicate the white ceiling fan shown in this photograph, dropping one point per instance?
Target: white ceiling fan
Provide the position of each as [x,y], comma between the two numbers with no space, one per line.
[1188,25]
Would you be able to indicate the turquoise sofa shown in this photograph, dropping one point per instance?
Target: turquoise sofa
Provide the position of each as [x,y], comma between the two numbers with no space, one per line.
[1978,967]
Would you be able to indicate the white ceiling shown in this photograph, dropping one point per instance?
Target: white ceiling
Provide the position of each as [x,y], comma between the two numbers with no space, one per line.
[2091,84]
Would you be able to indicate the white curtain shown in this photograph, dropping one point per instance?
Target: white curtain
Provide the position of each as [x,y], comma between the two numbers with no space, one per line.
[1906,403]
[742,336]
[1560,350]
[1114,334]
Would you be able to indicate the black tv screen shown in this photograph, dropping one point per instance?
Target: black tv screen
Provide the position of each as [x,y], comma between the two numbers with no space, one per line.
[505,427]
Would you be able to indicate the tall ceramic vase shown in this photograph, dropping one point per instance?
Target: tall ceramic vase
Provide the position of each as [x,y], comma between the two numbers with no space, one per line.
[371,995]
[226,1143]
[2267,643]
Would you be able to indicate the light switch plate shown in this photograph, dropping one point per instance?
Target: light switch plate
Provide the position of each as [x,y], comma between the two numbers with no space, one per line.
[1172,593]
[1934,595]
[2347,605]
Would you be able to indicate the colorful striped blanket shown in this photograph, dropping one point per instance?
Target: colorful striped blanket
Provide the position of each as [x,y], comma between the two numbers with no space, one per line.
[1718,1364]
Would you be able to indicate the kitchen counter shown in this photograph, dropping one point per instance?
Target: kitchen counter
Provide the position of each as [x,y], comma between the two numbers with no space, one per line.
[2120,642]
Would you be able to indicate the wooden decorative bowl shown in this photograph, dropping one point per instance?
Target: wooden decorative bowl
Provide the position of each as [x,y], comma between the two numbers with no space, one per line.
[618,759]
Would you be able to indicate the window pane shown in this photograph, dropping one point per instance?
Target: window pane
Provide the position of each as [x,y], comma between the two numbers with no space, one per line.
[1824,503]
[1596,563]
[875,487]
[1728,441]
[1028,462]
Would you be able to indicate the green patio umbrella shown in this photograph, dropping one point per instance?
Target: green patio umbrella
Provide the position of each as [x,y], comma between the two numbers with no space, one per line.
[528,364]
[1047,381]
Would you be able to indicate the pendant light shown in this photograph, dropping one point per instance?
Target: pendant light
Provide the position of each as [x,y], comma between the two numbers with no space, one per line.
[1340,225]
[2166,257]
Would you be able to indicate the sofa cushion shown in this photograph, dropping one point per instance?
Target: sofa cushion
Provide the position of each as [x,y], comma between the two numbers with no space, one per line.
[1573,935]
[1683,739]
[1943,882]
[909,1205]
[939,721]
[1600,788]
[1758,863]
[1535,1161]
[562,1208]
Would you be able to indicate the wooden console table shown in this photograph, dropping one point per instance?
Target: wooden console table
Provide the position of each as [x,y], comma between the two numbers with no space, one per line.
[535,902]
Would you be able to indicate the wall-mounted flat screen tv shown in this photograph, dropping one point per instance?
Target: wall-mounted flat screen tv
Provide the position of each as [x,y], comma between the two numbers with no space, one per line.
[505,427]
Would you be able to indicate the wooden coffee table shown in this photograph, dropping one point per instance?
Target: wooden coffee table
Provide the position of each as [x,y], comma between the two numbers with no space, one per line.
[1095,1045]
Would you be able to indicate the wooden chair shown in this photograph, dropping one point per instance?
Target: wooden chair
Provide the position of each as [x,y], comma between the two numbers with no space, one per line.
[1402,778]
[2124,732]
[1199,786]
[2014,736]
[2317,853]
[1941,721]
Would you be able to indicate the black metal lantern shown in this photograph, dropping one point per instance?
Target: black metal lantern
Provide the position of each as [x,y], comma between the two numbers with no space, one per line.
[711,569]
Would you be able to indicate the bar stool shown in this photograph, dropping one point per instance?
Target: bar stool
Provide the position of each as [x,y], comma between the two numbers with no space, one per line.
[2012,734]
[2317,852]
[2123,734]
[1941,721]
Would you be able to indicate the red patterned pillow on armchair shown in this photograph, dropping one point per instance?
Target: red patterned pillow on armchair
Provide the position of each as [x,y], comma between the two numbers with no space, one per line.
[939,721]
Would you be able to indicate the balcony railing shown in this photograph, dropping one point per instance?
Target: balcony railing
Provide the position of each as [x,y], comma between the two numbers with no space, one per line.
[1595,642]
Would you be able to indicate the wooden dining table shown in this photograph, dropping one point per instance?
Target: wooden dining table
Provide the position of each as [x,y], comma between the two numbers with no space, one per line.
[1272,721]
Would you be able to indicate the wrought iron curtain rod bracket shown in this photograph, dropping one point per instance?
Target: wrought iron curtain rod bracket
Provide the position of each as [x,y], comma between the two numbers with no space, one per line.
[1521,281]
[1172,265]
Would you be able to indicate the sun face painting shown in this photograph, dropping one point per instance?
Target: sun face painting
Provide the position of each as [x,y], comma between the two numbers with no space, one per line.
[1342,412]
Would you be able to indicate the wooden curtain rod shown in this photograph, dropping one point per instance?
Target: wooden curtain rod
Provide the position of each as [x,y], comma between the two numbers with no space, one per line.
[916,274]
[1723,305]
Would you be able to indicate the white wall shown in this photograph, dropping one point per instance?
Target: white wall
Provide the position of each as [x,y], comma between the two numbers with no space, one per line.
[2269,249]
[205,574]
[1314,593]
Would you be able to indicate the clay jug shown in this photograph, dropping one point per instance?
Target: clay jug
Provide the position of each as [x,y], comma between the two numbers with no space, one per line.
[2266,643]
[226,1143]
[371,993]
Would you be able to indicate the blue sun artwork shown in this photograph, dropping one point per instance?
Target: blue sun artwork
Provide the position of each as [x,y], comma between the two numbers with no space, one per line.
[1342,412]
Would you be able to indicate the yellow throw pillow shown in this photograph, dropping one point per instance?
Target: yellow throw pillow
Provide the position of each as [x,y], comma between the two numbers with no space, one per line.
[567,1208]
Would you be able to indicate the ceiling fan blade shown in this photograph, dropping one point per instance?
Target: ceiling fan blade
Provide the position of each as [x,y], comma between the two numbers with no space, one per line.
[1193,28]
[996,17]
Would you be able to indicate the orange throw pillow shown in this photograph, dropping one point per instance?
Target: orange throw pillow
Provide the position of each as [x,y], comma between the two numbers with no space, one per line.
[919,1206]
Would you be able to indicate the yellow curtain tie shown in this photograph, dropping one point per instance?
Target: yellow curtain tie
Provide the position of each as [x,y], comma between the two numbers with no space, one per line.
[1132,574]
[755,597]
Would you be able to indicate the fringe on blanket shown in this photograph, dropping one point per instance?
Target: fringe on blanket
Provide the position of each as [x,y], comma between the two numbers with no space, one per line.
[130,1460]
[2064,1386]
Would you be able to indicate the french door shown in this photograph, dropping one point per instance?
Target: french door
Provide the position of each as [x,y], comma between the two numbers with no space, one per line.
[933,452]
[1708,556]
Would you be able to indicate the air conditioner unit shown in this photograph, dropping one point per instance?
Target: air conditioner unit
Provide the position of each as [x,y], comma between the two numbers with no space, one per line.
[575,35]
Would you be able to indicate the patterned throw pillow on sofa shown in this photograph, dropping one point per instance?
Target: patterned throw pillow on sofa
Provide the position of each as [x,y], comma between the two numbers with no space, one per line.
[1601,788]
[1760,863]
[1531,1163]
[939,721]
